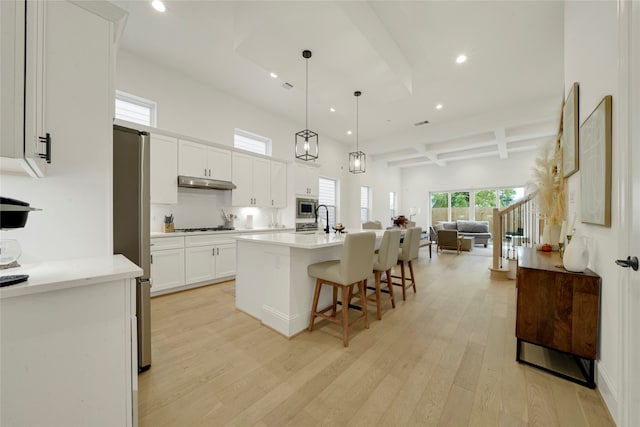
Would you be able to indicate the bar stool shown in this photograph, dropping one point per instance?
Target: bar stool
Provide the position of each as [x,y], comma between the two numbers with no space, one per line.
[352,269]
[406,254]
[383,261]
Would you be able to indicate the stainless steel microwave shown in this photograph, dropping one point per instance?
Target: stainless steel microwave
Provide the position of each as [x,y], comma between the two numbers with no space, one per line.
[306,208]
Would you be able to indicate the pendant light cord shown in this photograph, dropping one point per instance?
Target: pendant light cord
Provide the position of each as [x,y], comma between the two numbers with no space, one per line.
[357,125]
[306,99]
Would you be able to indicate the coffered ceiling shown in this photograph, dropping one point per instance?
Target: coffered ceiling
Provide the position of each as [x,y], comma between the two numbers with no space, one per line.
[402,55]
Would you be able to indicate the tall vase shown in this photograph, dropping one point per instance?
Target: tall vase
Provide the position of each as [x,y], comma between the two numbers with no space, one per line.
[576,256]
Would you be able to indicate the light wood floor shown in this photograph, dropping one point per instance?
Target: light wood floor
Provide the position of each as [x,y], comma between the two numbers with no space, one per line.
[446,356]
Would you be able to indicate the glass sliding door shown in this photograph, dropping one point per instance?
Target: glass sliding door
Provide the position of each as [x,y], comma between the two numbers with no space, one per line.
[439,207]
[459,205]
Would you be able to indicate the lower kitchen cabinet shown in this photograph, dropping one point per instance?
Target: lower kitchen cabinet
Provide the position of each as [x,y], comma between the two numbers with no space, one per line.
[68,352]
[167,263]
[208,258]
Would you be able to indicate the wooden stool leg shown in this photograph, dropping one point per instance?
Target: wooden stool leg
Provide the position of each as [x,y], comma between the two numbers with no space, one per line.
[365,311]
[335,301]
[378,305]
[413,280]
[404,289]
[314,306]
[390,286]
[346,297]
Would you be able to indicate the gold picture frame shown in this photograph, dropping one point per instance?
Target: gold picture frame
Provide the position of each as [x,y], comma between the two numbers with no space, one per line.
[595,159]
[570,133]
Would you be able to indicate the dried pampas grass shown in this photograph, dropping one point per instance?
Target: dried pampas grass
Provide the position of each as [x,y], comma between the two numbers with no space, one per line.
[547,175]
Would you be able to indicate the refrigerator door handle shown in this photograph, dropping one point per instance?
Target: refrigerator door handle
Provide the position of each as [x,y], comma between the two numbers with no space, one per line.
[145,202]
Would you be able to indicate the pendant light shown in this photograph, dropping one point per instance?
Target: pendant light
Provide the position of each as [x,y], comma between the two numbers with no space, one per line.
[357,159]
[306,140]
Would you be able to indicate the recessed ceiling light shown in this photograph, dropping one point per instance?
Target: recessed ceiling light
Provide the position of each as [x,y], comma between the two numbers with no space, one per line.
[274,75]
[158,5]
[439,107]
[461,58]
[349,132]
[333,110]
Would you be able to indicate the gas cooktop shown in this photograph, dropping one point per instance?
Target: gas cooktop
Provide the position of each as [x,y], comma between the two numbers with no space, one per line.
[218,228]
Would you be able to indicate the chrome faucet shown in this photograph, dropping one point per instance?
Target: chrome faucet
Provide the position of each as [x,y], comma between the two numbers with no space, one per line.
[326,229]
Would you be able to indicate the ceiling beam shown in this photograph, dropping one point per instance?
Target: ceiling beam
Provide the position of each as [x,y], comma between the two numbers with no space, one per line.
[372,29]
[501,142]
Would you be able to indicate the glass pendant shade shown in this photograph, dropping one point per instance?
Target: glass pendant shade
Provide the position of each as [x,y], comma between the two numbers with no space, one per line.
[306,146]
[357,159]
[357,162]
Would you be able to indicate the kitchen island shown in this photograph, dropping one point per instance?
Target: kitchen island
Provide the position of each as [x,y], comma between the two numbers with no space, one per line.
[272,283]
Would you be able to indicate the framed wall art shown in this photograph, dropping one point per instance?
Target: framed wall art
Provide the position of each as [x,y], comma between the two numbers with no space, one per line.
[570,133]
[595,165]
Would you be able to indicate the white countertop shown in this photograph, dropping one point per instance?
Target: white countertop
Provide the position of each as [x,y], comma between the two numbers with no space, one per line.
[300,240]
[55,275]
[223,232]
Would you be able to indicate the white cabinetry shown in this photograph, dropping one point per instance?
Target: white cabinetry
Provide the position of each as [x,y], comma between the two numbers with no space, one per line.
[208,258]
[201,160]
[167,263]
[164,169]
[58,85]
[252,177]
[278,184]
[68,348]
[306,180]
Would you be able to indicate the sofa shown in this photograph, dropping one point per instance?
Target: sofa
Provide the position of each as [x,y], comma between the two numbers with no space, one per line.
[477,229]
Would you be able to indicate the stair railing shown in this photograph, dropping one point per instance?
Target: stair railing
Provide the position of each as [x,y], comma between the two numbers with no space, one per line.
[517,225]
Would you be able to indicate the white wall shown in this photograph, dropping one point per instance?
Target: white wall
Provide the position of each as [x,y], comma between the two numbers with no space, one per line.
[476,174]
[75,196]
[195,109]
[591,59]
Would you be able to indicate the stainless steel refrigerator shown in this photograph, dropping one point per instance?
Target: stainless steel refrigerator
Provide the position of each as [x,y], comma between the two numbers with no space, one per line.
[131,232]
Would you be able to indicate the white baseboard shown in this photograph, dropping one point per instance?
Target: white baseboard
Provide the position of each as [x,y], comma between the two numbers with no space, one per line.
[608,391]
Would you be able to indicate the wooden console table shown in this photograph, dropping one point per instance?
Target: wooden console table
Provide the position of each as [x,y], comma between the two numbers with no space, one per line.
[557,309]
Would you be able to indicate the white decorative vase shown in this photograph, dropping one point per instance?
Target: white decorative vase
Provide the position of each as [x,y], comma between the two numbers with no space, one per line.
[576,256]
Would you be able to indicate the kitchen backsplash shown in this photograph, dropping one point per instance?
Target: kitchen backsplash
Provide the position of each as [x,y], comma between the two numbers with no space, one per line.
[203,208]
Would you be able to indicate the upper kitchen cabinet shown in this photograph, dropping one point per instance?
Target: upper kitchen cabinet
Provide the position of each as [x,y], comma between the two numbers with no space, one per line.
[204,161]
[164,169]
[306,180]
[278,184]
[55,84]
[251,175]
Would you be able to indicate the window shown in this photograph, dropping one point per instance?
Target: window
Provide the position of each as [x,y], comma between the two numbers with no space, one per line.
[327,196]
[393,206]
[439,207]
[248,141]
[485,201]
[135,109]
[509,196]
[459,205]
[477,205]
[364,204]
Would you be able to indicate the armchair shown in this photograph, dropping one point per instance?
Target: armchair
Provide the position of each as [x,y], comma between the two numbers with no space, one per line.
[448,239]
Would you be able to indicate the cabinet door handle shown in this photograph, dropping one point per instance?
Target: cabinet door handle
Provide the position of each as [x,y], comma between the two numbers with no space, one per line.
[151,258]
[205,171]
[209,172]
[218,251]
[46,140]
[213,251]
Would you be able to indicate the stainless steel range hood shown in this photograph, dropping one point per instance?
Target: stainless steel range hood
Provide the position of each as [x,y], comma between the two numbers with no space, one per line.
[204,183]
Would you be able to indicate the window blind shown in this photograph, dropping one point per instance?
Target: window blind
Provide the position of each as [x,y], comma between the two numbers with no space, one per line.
[327,196]
[135,109]
[364,204]
[253,143]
